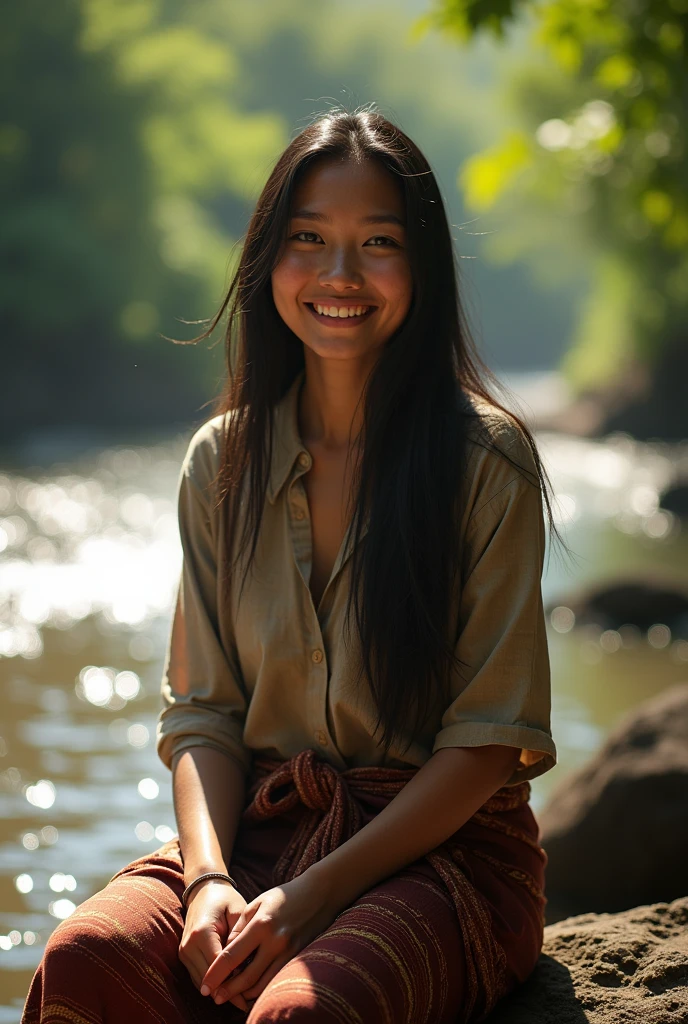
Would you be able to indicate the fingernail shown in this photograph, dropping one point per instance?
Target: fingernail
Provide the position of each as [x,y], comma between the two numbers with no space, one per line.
[205,990]
[220,998]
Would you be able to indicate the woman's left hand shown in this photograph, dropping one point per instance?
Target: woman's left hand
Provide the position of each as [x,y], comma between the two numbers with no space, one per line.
[276,925]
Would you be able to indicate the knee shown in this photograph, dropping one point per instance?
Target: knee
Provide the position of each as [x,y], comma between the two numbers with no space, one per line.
[100,933]
[71,953]
[82,937]
[314,988]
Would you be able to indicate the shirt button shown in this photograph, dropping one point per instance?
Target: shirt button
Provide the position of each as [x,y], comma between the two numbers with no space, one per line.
[317,656]
[299,514]
[304,459]
[321,737]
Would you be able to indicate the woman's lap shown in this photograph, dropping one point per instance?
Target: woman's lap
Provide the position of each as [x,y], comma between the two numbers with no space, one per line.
[395,955]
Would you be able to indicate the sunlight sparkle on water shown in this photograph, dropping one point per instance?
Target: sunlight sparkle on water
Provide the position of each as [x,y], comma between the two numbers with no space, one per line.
[562,618]
[61,908]
[42,794]
[127,685]
[149,789]
[78,545]
[137,735]
[144,831]
[59,882]
[659,635]
[164,833]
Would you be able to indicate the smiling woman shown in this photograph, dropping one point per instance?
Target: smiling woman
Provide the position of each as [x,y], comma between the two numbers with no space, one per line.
[356,692]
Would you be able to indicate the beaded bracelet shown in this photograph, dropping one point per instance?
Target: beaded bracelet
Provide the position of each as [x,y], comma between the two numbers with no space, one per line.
[208,874]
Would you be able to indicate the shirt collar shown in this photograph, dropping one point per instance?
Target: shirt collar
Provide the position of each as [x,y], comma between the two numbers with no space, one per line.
[286,443]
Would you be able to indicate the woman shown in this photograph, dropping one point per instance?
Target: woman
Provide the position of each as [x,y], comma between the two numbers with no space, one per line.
[356,690]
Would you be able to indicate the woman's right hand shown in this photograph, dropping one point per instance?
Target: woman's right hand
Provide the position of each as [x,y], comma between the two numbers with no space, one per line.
[213,909]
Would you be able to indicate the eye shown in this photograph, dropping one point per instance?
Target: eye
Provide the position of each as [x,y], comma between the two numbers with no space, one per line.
[311,233]
[385,239]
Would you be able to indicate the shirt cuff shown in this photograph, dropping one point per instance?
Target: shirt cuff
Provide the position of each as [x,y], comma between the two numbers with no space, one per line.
[169,745]
[538,752]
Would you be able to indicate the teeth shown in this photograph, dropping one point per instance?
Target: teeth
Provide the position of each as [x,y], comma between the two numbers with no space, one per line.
[342,312]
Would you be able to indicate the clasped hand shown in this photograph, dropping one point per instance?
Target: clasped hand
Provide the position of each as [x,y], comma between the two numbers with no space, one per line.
[273,927]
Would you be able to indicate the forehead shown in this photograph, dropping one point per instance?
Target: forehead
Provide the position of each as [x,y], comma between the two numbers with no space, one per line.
[333,183]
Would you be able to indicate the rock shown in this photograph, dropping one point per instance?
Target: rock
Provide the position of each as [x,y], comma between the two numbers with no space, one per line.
[616,830]
[636,602]
[608,969]
[675,499]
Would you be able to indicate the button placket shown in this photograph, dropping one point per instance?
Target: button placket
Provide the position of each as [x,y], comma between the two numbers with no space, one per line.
[298,513]
[318,659]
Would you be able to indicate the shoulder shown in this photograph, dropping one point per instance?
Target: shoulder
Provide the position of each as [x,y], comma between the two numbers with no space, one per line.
[499,459]
[202,459]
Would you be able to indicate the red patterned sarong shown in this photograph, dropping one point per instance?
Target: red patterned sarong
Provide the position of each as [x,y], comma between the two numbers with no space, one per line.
[439,942]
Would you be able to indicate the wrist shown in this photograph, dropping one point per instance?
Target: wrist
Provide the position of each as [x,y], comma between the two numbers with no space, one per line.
[203,885]
[201,880]
[194,870]
[327,890]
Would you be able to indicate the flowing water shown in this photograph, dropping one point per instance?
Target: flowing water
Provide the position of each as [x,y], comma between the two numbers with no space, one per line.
[89,563]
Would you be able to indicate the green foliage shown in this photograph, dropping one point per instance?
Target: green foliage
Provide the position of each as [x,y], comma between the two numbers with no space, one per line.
[610,147]
[119,143]
[134,138]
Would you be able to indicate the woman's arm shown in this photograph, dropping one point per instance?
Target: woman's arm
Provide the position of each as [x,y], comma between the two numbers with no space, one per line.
[443,794]
[208,789]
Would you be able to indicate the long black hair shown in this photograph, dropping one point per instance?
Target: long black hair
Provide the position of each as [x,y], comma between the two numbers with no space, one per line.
[411,452]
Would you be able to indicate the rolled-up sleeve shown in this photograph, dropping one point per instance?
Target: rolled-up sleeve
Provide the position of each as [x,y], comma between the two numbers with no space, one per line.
[502,684]
[204,701]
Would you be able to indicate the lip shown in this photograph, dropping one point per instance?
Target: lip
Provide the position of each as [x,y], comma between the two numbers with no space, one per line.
[340,321]
[337,302]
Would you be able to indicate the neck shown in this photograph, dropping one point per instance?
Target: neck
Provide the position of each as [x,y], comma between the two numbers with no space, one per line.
[331,408]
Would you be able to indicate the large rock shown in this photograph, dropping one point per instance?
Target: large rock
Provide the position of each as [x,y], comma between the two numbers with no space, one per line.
[616,831]
[608,969]
[640,602]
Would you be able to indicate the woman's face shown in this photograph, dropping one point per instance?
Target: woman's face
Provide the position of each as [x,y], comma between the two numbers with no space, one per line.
[346,253]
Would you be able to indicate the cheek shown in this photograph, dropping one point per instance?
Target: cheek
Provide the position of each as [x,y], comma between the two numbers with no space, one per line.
[396,283]
[288,277]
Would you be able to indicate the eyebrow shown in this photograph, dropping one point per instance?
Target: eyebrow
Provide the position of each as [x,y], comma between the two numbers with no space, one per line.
[372,218]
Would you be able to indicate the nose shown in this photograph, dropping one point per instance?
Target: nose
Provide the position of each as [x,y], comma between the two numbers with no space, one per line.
[341,270]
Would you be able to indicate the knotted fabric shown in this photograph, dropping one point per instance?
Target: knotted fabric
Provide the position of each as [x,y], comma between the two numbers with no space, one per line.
[338,803]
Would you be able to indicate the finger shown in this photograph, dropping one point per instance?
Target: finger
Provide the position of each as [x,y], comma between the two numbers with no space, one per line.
[235,924]
[230,957]
[198,956]
[248,976]
[196,964]
[266,977]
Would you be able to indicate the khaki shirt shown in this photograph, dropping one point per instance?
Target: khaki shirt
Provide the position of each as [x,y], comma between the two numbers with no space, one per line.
[271,673]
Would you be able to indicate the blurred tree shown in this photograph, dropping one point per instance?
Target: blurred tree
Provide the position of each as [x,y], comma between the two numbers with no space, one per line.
[116,130]
[599,136]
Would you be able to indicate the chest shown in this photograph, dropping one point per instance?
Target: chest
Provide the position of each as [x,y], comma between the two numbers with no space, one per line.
[327,485]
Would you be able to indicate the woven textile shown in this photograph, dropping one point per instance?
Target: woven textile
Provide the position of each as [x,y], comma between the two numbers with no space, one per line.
[437,943]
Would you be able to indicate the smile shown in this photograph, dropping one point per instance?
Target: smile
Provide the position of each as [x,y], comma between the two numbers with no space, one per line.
[343,317]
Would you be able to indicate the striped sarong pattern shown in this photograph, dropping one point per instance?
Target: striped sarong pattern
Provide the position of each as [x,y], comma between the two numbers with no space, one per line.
[439,942]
